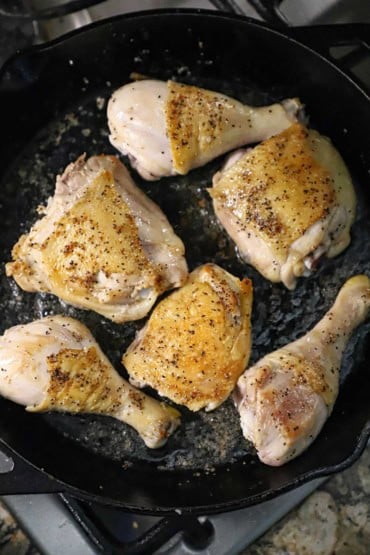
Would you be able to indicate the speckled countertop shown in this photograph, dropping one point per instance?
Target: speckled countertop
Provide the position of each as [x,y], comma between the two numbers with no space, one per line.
[334,520]
[12,539]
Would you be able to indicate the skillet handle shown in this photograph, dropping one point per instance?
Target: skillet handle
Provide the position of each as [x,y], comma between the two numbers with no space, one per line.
[18,477]
[325,38]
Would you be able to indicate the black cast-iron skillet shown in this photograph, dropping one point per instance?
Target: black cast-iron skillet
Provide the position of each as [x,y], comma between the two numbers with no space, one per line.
[51,110]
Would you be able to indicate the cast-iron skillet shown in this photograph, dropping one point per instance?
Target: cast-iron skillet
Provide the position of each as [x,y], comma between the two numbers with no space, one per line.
[51,111]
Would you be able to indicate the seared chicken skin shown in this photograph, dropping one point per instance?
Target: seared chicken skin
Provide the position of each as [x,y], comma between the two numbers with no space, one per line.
[285,399]
[54,364]
[286,203]
[170,128]
[197,340]
[102,244]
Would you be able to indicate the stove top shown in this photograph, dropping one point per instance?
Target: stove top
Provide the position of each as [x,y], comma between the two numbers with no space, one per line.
[78,528]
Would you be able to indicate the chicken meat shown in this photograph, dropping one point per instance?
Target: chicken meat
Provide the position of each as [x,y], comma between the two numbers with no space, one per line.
[102,244]
[54,364]
[285,399]
[197,340]
[168,128]
[286,203]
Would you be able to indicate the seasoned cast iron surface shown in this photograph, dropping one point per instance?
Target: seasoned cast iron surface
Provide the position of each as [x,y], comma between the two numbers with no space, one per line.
[204,440]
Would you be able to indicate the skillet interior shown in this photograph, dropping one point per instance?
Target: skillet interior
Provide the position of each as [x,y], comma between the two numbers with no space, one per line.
[52,111]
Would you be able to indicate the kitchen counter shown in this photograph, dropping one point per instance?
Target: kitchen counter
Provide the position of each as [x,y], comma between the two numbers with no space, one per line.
[12,539]
[334,520]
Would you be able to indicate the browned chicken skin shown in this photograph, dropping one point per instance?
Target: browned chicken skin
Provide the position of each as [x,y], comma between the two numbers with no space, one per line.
[197,340]
[54,364]
[102,245]
[286,202]
[286,397]
[170,128]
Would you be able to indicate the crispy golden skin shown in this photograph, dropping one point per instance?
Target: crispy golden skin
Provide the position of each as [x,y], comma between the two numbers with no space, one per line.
[168,128]
[97,234]
[54,364]
[285,202]
[197,341]
[279,188]
[80,379]
[203,124]
[101,245]
[196,120]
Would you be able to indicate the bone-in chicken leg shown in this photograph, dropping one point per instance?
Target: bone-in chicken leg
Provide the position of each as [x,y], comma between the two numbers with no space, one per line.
[170,128]
[285,399]
[55,364]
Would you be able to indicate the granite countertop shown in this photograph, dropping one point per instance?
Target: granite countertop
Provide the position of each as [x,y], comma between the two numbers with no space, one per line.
[334,520]
[12,539]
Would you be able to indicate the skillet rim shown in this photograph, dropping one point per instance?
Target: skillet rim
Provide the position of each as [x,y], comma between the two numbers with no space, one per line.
[303,478]
[287,33]
[217,508]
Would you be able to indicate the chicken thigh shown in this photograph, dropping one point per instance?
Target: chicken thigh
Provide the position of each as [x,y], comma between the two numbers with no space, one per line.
[170,128]
[102,244]
[286,203]
[285,399]
[197,340]
[54,364]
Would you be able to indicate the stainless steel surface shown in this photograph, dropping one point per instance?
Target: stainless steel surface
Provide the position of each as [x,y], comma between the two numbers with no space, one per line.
[6,463]
[235,531]
[296,12]
[314,12]
[47,30]
[48,523]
